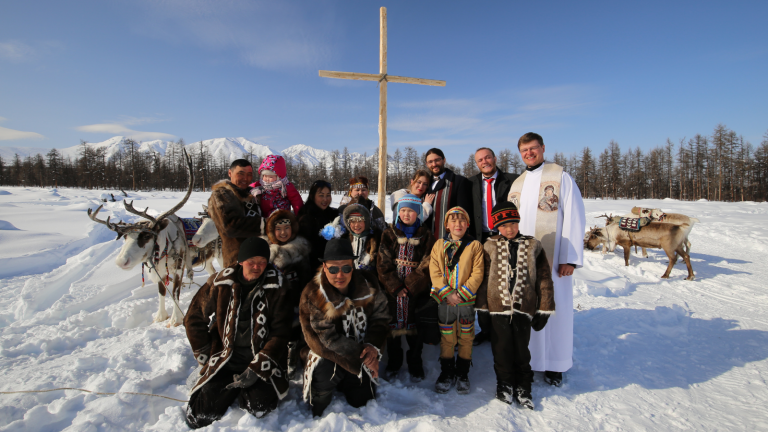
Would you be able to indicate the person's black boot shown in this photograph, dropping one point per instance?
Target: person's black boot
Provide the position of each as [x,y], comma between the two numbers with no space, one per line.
[523,398]
[415,365]
[505,393]
[447,375]
[480,338]
[553,378]
[293,359]
[462,375]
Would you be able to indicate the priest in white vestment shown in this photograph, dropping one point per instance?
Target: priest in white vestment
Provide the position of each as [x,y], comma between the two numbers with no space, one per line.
[551,209]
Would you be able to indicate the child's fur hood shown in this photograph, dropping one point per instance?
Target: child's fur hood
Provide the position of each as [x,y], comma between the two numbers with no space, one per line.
[272,223]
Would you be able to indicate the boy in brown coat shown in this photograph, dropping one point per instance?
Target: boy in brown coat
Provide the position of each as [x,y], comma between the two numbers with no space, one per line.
[403,267]
[456,269]
[518,292]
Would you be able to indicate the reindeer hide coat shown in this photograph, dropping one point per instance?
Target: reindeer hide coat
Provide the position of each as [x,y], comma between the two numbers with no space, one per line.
[418,282]
[536,293]
[323,311]
[211,325]
[236,215]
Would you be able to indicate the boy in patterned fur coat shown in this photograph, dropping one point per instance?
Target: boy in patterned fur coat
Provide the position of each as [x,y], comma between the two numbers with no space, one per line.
[403,267]
[518,292]
[456,269]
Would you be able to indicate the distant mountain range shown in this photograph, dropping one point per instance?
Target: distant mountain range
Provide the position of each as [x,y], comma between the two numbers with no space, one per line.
[227,148]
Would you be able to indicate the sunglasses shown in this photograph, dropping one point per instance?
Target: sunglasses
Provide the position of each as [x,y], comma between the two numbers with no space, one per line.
[335,269]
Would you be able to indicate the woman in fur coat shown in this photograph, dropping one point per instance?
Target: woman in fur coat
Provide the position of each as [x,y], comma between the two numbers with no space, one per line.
[289,252]
[403,267]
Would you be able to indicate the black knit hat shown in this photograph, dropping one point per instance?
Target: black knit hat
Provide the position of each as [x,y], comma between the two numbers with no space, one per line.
[338,249]
[504,212]
[253,247]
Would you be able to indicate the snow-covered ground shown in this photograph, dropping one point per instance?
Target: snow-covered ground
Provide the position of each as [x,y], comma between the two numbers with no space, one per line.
[649,354]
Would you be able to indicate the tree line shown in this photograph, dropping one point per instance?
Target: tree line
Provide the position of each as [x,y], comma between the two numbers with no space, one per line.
[721,166]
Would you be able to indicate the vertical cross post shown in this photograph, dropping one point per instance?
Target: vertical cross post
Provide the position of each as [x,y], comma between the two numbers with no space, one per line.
[383,110]
[383,78]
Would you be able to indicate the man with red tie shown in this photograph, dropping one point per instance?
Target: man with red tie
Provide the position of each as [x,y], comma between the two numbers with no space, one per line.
[488,188]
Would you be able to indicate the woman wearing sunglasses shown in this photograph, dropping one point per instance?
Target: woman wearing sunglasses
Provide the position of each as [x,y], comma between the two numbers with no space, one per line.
[345,321]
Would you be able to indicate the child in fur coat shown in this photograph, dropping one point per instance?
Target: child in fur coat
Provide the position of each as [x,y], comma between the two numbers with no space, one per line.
[456,269]
[403,267]
[518,292]
[274,191]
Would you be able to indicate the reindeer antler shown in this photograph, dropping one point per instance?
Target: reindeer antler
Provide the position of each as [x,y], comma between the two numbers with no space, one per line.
[178,206]
[129,208]
[120,228]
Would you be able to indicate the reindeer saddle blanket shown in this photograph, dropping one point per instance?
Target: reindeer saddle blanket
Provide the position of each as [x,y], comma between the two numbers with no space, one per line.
[191,225]
[633,224]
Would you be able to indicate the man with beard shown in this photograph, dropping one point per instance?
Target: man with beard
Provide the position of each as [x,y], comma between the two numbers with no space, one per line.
[234,211]
[488,187]
[551,210]
[450,189]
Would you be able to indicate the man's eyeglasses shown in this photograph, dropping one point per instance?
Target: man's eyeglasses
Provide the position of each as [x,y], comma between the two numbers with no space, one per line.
[346,269]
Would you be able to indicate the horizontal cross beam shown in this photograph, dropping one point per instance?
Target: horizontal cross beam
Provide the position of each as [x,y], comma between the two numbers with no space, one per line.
[377,77]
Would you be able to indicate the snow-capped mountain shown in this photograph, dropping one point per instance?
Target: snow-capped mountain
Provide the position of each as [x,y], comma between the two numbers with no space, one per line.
[227,148]
[230,148]
[312,156]
[216,148]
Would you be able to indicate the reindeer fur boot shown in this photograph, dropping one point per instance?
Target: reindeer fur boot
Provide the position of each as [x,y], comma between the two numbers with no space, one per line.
[462,375]
[447,375]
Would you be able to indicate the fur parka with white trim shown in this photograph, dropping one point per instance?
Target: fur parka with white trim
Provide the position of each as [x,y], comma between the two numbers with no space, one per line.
[336,326]
[533,289]
[211,325]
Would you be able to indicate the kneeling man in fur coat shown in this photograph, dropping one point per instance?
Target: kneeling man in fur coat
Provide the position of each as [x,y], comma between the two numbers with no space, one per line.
[239,324]
[345,321]
[518,292]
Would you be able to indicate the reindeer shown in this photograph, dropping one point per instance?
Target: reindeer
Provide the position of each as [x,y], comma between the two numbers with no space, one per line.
[671,218]
[207,239]
[159,243]
[657,235]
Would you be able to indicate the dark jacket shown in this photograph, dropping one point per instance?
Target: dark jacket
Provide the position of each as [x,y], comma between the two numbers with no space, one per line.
[501,186]
[211,325]
[236,215]
[459,193]
[418,282]
[311,220]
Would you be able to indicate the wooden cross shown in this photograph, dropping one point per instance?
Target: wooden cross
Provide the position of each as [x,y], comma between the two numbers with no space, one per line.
[382,78]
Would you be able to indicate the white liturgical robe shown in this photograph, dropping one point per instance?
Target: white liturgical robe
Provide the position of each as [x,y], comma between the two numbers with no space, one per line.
[552,347]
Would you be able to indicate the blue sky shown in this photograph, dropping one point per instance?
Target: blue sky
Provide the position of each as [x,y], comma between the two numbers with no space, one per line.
[579,73]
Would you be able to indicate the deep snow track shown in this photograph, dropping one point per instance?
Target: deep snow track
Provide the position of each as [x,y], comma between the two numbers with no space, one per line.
[649,353]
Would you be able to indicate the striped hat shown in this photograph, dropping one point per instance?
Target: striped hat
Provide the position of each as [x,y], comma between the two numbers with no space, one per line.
[504,212]
[410,201]
[456,210]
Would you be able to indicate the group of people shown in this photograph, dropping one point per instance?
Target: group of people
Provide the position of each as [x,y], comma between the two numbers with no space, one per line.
[330,288]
